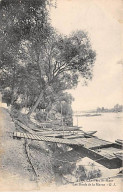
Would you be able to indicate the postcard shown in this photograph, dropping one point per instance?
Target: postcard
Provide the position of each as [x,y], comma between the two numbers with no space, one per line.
[61,92]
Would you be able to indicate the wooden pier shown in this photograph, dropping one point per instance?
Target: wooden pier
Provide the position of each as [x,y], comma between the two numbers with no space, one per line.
[102,151]
[20,135]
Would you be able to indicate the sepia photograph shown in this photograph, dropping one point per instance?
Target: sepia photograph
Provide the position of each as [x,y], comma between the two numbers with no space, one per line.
[61,95]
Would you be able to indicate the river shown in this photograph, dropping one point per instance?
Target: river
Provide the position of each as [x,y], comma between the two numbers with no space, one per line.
[109,126]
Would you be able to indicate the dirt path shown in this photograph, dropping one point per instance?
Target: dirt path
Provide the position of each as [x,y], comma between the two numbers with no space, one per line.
[24,164]
[14,162]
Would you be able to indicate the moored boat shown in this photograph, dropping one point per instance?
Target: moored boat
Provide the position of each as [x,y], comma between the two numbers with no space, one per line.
[119,141]
[119,155]
[89,133]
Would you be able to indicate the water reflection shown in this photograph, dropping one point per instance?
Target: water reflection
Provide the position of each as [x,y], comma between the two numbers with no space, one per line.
[108,125]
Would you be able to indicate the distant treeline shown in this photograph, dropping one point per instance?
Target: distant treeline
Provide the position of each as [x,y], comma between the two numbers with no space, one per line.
[116,108]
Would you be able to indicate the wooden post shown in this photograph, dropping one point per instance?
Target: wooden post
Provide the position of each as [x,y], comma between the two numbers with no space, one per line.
[62,120]
[77,120]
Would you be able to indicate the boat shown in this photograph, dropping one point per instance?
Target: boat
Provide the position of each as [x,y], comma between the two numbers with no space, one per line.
[119,155]
[119,141]
[88,115]
[69,128]
[90,132]
[104,152]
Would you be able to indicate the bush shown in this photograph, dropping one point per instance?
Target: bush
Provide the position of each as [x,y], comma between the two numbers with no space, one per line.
[41,116]
[94,174]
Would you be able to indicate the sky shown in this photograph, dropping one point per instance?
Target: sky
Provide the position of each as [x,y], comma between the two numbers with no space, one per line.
[103,20]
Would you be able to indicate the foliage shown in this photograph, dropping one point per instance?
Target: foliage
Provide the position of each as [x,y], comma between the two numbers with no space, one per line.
[22,23]
[94,174]
[63,59]
[37,64]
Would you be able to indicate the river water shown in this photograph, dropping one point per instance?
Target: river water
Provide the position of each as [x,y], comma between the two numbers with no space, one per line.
[109,126]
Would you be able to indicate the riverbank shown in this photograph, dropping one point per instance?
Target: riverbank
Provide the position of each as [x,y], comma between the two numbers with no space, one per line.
[36,163]
[18,162]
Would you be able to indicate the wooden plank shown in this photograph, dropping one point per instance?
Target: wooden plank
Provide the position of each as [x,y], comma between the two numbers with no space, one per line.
[68,129]
[42,130]
[103,141]
[87,142]
[18,134]
[25,135]
[55,132]
[23,126]
[43,138]
[29,136]
[93,142]
[36,129]
[74,136]
[53,135]
[36,137]
[14,134]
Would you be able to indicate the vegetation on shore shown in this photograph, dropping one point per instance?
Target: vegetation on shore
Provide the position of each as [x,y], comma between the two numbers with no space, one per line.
[37,67]
[37,64]
[40,162]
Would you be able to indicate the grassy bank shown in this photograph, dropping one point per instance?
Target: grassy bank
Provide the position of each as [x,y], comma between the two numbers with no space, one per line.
[38,162]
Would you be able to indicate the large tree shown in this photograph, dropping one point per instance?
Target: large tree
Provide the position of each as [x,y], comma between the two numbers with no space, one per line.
[22,23]
[62,60]
[36,62]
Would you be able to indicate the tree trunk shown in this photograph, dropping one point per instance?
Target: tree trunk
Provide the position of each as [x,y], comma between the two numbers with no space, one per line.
[13,86]
[36,104]
[40,82]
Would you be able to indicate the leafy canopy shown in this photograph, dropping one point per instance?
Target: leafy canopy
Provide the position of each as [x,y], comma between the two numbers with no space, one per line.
[35,59]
